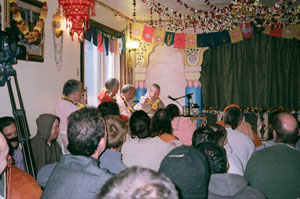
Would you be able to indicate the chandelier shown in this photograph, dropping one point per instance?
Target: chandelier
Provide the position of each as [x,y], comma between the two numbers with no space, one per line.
[77,13]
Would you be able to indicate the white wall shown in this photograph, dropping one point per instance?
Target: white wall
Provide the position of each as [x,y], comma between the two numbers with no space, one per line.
[40,83]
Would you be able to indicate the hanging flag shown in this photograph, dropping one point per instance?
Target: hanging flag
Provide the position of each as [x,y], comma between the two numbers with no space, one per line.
[123,44]
[179,40]
[158,37]
[275,32]
[137,30]
[169,38]
[119,47]
[267,30]
[106,44]
[115,46]
[100,43]
[247,30]
[236,35]
[148,34]
[297,31]
[226,37]
[111,46]
[191,41]
[288,32]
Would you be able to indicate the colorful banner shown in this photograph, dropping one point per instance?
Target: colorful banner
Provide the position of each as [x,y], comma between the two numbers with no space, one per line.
[169,38]
[191,41]
[275,32]
[288,32]
[148,34]
[111,46]
[297,31]
[247,30]
[179,40]
[236,35]
[159,36]
[100,42]
[137,30]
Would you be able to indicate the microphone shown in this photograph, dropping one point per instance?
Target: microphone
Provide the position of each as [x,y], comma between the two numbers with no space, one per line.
[171,98]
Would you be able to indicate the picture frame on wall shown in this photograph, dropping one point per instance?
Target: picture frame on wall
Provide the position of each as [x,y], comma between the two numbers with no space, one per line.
[30,11]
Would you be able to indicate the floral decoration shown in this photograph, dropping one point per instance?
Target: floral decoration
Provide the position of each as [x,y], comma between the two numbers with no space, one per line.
[154,105]
[31,36]
[128,105]
[63,97]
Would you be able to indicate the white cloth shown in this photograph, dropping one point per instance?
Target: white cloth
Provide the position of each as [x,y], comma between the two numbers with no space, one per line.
[240,145]
[148,152]
[235,164]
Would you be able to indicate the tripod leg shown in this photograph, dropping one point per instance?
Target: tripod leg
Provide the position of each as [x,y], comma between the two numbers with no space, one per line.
[21,125]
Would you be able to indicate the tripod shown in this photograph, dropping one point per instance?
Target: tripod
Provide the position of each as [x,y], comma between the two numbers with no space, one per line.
[20,117]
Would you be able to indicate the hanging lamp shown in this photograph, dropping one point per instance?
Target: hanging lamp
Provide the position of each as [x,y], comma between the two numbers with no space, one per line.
[77,13]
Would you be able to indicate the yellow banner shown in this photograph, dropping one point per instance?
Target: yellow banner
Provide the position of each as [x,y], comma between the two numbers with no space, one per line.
[191,41]
[137,30]
[159,36]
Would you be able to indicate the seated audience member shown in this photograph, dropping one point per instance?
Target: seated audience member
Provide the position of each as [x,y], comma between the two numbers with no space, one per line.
[116,131]
[138,183]
[216,133]
[140,149]
[44,174]
[162,127]
[4,149]
[9,130]
[71,100]
[45,149]
[183,127]
[15,183]
[244,127]
[108,93]
[128,93]
[237,143]
[151,101]
[275,169]
[222,184]
[188,168]
[78,175]
[111,108]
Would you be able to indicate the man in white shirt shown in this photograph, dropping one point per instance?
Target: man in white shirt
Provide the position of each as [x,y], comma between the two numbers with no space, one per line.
[128,93]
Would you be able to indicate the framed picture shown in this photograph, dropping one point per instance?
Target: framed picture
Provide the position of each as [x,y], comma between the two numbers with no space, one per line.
[30,11]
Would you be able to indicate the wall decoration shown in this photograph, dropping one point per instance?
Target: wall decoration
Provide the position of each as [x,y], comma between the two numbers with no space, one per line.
[28,16]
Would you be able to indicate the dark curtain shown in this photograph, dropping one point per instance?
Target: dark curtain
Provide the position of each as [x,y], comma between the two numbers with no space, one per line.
[262,72]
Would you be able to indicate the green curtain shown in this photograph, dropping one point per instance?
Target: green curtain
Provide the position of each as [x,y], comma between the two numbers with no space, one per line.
[262,72]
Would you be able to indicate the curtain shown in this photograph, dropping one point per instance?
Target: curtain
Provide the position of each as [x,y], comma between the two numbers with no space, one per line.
[262,72]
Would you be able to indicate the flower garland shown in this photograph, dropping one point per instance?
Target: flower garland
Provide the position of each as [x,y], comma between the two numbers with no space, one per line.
[154,105]
[63,97]
[109,93]
[31,36]
[128,106]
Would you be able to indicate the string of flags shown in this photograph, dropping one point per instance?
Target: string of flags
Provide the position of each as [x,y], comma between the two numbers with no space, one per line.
[185,40]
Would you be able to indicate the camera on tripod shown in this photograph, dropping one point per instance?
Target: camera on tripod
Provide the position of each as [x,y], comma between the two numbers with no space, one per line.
[10,50]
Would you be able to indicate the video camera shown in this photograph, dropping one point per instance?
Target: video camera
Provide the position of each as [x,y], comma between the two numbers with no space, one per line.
[10,50]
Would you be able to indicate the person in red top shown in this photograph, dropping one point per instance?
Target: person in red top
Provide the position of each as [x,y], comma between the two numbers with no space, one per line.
[107,94]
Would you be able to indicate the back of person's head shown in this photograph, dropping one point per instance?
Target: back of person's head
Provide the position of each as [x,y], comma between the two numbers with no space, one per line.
[161,122]
[138,183]
[140,124]
[203,134]
[110,83]
[6,121]
[71,86]
[233,117]
[109,108]
[116,131]
[220,133]
[286,128]
[126,88]
[188,168]
[173,110]
[215,155]
[86,128]
[155,86]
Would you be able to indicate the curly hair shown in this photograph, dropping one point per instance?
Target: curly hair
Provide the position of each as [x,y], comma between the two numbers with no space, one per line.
[140,124]
[215,155]
[116,131]
[86,128]
[138,183]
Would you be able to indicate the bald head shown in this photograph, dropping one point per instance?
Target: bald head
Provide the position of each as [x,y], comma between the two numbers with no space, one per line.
[3,153]
[286,129]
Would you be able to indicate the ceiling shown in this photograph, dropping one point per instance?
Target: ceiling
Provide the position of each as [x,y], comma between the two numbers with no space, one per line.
[108,17]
